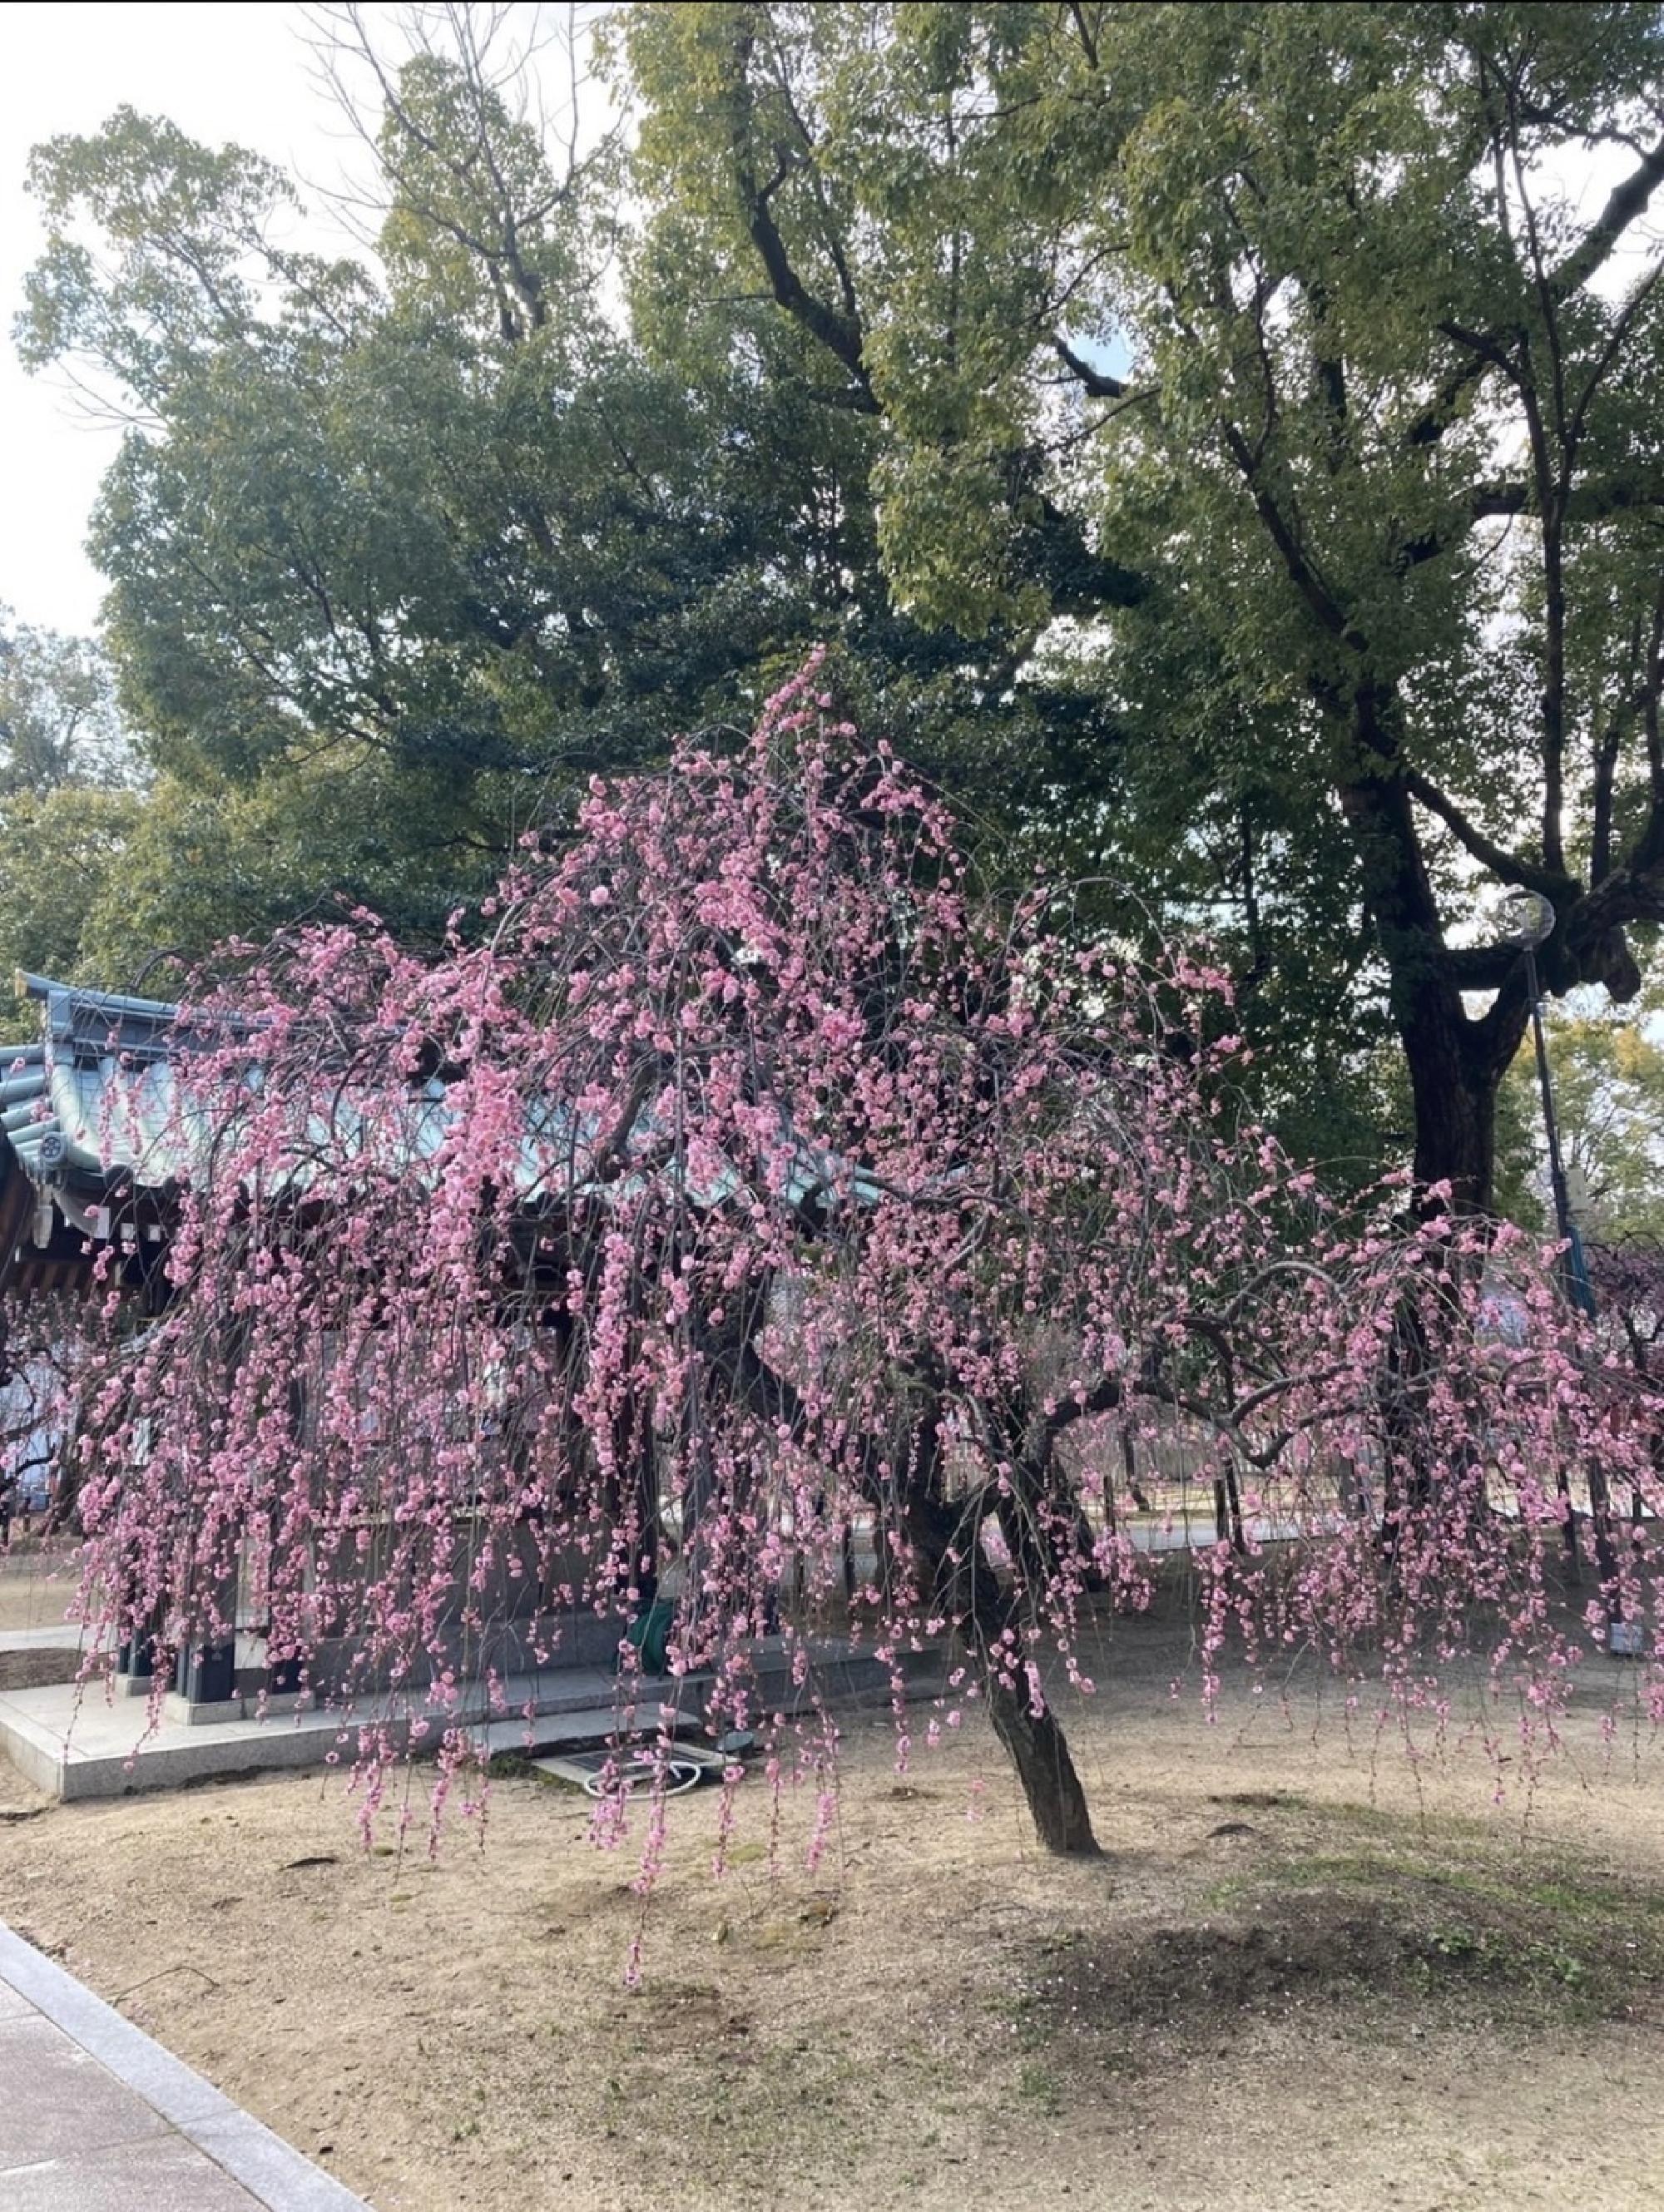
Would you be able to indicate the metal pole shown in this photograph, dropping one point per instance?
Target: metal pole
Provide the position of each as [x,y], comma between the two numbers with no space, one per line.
[1575,1276]
[1556,1173]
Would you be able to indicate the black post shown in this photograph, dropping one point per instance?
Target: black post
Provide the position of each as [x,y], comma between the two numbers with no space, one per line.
[206,1674]
[1556,1174]
[1574,1276]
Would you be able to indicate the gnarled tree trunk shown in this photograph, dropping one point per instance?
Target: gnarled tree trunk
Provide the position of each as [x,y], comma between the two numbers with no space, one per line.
[1039,1753]
[965,1587]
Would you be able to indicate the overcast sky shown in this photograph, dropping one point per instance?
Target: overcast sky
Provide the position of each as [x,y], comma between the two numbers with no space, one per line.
[220,73]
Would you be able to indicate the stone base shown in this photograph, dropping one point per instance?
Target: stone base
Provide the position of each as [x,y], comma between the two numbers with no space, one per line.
[74,1747]
[279,1701]
[190,1714]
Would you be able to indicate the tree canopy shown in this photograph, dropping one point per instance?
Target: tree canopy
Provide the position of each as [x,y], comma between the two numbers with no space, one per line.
[406,542]
[69,805]
[1608,1087]
[1312,327]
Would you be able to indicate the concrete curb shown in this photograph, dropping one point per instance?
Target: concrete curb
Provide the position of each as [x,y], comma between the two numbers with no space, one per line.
[273,2172]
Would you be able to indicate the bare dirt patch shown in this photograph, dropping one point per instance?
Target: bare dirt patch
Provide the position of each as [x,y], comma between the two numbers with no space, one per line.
[35,1670]
[38,1579]
[1306,1973]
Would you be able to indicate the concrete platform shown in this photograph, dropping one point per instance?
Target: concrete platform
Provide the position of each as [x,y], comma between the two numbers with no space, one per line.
[95,2117]
[79,1741]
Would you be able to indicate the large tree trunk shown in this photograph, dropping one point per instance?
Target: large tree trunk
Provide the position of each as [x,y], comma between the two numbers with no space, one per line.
[1455,1061]
[1453,1088]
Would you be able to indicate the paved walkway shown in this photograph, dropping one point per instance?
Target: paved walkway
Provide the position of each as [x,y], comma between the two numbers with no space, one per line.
[96,2117]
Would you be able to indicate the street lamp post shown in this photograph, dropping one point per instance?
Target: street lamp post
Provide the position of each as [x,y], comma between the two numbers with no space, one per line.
[1532,923]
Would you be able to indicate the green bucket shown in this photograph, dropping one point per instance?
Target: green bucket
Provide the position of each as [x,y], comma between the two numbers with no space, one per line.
[650,1632]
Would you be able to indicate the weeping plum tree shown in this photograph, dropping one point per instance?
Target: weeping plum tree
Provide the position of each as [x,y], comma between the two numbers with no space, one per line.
[740,1175]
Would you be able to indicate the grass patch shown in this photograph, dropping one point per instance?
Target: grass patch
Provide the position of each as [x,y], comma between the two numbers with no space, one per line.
[1041,2088]
[1371,1919]
[512,1766]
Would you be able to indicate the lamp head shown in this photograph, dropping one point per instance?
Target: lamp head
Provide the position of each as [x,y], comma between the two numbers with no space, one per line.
[1527,919]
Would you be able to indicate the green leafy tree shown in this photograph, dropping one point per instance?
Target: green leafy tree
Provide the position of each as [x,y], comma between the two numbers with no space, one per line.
[58,723]
[403,547]
[69,804]
[1608,1074]
[1299,324]
[62,855]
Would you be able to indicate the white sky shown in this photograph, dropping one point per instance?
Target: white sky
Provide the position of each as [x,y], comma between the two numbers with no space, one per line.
[222,73]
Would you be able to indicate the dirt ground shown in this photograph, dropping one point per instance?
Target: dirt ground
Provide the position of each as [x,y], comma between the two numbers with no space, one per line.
[1308,1971]
[37,1582]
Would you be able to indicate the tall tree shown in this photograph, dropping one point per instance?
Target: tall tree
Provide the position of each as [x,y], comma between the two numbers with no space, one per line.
[407,544]
[403,542]
[69,798]
[1335,334]
[58,719]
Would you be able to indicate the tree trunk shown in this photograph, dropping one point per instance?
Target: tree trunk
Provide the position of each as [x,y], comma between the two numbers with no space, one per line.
[965,1589]
[1455,1061]
[1453,1071]
[1040,1754]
